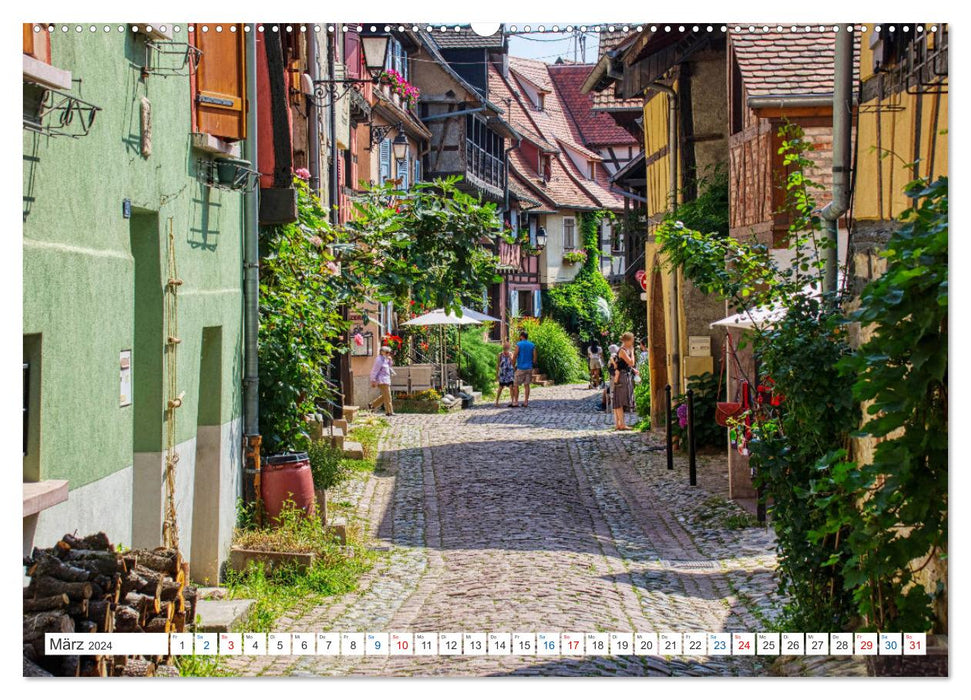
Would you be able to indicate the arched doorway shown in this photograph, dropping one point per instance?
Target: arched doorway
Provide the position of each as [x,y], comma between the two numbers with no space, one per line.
[657,347]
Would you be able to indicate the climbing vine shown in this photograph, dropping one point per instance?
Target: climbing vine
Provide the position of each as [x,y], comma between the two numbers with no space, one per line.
[894,507]
[586,306]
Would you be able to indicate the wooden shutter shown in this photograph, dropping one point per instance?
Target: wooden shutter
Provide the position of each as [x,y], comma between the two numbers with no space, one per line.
[405,170]
[37,44]
[220,96]
[352,54]
[384,160]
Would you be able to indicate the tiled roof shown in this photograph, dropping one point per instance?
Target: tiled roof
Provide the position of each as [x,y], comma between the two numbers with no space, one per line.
[465,38]
[787,62]
[596,128]
[534,71]
[566,187]
[605,99]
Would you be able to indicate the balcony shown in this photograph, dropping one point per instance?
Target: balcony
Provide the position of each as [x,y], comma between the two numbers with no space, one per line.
[484,166]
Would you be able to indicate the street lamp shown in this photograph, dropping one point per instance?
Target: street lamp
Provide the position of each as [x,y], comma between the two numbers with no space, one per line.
[400,146]
[375,54]
[540,238]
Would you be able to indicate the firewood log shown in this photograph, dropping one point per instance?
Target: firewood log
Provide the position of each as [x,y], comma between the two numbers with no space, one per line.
[159,624]
[126,619]
[69,666]
[100,612]
[85,626]
[166,670]
[147,606]
[53,602]
[170,590]
[132,582]
[97,541]
[178,622]
[30,652]
[36,625]
[48,586]
[32,670]
[139,667]
[47,565]
[78,608]
[166,561]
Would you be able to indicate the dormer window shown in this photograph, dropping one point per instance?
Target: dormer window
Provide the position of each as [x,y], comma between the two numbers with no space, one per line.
[538,101]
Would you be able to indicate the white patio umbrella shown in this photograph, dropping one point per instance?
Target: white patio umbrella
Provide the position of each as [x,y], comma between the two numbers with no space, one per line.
[478,315]
[438,317]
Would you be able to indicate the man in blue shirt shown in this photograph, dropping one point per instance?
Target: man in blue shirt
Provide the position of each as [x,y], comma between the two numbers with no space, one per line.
[525,360]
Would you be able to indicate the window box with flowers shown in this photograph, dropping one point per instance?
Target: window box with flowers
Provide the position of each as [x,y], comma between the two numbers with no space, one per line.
[408,93]
[575,256]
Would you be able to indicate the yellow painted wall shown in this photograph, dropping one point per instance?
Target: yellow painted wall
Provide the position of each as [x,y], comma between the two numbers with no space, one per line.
[887,135]
[655,138]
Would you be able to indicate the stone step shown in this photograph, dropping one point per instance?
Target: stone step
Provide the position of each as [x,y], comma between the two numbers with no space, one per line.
[336,436]
[221,615]
[544,382]
[353,450]
[340,423]
[350,412]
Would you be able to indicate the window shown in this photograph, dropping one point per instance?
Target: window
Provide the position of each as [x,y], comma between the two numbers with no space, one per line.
[417,169]
[397,58]
[219,94]
[384,161]
[540,101]
[402,168]
[569,233]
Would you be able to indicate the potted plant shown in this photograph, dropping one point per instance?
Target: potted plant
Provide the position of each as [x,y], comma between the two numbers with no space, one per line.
[574,256]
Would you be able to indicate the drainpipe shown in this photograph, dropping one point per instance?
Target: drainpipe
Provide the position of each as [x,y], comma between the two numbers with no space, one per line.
[842,121]
[673,320]
[313,116]
[340,369]
[251,256]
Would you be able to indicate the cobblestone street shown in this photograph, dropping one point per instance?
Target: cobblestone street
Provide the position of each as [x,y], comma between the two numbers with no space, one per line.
[542,519]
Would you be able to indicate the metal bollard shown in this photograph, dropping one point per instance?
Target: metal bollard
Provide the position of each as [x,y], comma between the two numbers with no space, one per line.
[692,471]
[670,442]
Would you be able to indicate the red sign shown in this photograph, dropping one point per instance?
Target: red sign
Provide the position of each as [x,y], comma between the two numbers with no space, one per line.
[641,277]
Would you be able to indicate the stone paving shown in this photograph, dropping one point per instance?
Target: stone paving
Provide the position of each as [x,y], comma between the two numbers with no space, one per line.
[542,519]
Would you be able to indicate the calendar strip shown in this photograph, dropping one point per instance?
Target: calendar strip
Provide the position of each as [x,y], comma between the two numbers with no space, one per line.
[562,644]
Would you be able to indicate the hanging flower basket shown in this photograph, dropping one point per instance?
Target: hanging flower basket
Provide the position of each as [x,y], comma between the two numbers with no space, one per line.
[575,256]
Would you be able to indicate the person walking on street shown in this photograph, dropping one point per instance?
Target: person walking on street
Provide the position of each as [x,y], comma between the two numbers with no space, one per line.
[623,381]
[525,359]
[505,371]
[381,373]
[596,361]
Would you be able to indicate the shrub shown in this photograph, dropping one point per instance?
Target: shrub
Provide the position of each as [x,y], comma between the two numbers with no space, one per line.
[326,465]
[558,356]
[479,359]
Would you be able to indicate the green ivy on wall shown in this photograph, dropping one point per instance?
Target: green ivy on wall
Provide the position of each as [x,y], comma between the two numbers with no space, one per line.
[586,306]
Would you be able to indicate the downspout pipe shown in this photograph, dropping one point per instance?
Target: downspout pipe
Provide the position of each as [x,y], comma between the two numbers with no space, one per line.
[313,116]
[340,364]
[251,256]
[842,124]
[673,153]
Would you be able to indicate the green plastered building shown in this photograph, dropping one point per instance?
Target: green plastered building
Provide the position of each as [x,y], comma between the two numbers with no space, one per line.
[100,201]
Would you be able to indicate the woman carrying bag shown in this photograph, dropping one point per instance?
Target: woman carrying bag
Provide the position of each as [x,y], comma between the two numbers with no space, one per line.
[623,381]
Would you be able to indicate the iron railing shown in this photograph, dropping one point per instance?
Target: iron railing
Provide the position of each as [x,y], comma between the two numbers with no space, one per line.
[483,165]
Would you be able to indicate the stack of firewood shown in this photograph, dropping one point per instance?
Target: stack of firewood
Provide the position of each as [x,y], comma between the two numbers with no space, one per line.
[82,584]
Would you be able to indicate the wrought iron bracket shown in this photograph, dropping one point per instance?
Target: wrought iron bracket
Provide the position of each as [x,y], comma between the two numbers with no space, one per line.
[243,179]
[170,58]
[57,113]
